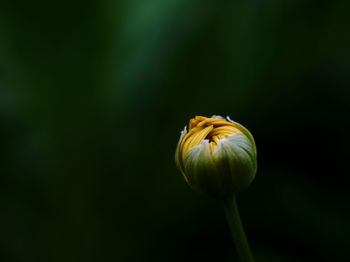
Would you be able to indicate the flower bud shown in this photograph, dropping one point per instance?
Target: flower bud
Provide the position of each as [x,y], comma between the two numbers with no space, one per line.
[216,156]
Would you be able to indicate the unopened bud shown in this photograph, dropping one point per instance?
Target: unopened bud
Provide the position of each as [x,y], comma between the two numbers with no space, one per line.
[216,156]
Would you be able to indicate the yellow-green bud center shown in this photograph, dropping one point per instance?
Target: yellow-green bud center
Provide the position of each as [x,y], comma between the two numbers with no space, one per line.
[212,129]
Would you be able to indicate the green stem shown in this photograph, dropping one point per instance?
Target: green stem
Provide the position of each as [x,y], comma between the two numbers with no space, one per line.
[237,231]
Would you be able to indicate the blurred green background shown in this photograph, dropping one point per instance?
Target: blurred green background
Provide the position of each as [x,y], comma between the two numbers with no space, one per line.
[93,95]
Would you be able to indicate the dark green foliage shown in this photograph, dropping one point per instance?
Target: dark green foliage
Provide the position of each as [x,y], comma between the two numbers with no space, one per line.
[93,95]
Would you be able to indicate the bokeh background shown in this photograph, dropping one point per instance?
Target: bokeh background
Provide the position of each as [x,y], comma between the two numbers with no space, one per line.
[93,95]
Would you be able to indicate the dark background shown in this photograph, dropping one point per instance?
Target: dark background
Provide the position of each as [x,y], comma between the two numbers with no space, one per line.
[93,95]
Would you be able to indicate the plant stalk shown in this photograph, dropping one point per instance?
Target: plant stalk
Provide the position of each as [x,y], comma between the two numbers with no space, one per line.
[236,227]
